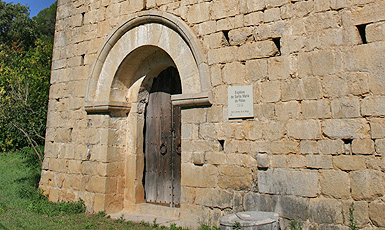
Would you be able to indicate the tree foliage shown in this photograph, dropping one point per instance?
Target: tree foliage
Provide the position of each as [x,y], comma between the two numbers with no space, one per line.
[16,26]
[45,21]
[25,67]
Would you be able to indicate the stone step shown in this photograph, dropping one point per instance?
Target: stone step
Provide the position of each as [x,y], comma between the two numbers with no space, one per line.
[163,215]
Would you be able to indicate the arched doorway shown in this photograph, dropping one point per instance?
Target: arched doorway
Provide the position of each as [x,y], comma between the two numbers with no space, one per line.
[162,145]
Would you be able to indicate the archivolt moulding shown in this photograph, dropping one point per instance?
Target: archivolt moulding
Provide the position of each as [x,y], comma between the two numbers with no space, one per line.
[194,74]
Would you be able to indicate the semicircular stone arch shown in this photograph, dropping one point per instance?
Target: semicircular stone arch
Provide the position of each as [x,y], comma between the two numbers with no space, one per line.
[148,29]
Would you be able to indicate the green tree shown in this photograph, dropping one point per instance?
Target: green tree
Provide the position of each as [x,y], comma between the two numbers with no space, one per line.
[16,26]
[45,21]
[24,86]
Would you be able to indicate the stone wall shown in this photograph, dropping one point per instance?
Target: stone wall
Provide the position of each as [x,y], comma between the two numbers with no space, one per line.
[317,141]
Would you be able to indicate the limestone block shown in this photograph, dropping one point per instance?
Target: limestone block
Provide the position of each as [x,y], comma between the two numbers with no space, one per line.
[72,182]
[334,86]
[325,211]
[377,83]
[207,131]
[270,91]
[284,147]
[304,129]
[225,24]
[220,95]
[318,63]
[331,147]
[345,128]
[96,184]
[339,4]
[312,88]
[256,69]
[287,110]
[288,182]
[254,18]
[301,8]
[215,114]
[216,75]
[198,12]
[316,109]
[259,49]
[279,68]
[47,178]
[214,198]
[247,6]
[347,107]
[363,146]
[363,57]
[89,168]
[293,207]
[260,202]
[199,176]
[367,184]
[200,145]
[349,163]
[373,106]
[380,146]
[248,131]
[322,5]
[222,9]
[234,177]
[273,130]
[194,115]
[296,161]
[240,160]
[279,161]
[269,31]
[58,165]
[263,161]
[260,146]
[99,202]
[292,89]
[275,3]
[360,214]
[375,32]
[264,111]
[375,162]
[272,14]
[74,166]
[207,27]
[319,162]
[335,184]
[239,36]
[222,55]
[198,158]
[308,146]
[358,83]
[216,40]
[376,211]
[233,73]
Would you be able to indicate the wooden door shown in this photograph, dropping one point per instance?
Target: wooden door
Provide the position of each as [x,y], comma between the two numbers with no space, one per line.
[162,141]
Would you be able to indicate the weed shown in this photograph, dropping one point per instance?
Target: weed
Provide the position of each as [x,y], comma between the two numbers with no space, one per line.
[236,226]
[174,227]
[206,227]
[154,224]
[352,222]
[294,225]
[101,214]
[144,224]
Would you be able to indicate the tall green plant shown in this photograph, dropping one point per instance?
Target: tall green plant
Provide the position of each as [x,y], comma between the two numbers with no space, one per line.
[24,87]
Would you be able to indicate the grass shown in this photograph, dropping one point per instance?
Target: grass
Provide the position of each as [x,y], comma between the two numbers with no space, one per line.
[22,206]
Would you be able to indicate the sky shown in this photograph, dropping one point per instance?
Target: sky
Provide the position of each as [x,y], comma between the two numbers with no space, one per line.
[35,6]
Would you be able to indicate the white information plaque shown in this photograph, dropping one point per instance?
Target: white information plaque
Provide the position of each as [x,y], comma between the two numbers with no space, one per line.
[240,101]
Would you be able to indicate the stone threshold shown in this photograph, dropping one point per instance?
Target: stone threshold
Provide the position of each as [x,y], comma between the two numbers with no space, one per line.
[164,216]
